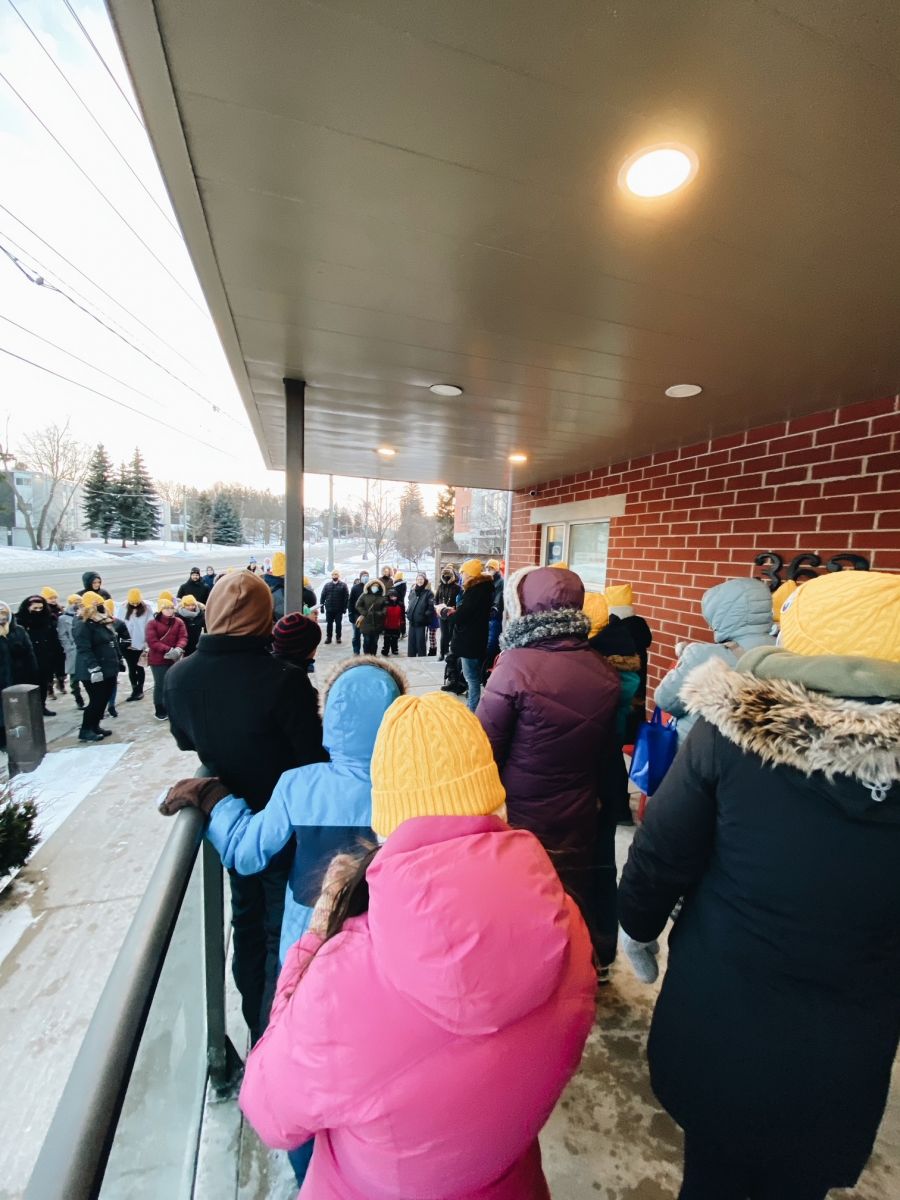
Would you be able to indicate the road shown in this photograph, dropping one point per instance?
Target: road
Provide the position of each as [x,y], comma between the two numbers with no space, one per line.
[118,576]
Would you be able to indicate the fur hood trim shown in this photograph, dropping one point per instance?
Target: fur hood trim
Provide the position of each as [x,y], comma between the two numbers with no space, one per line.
[785,724]
[545,627]
[624,662]
[362,660]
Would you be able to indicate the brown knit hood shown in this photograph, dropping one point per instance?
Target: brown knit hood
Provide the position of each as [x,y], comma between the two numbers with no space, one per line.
[240,605]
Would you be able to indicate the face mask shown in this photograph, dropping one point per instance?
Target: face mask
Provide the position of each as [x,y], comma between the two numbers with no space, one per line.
[363,579]
[376,591]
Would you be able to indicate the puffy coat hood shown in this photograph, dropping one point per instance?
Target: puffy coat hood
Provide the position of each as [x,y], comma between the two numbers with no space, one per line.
[542,589]
[739,610]
[448,897]
[88,578]
[36,620]
[377,587]
[354,700]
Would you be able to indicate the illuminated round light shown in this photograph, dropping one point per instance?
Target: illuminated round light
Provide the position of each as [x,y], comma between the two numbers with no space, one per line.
[518,458]
[386,451]
[658,170]
[683,391]
[445,389]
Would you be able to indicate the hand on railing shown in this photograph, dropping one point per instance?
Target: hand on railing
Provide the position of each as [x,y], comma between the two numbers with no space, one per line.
[204,794]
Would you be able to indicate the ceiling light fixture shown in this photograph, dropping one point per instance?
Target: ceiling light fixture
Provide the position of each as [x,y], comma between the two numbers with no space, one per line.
[386,451]
[445,389]
[658,170]
[518,458]
[683,391]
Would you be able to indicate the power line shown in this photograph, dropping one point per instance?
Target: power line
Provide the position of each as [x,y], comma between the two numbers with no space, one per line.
[72,88]
[121,403]
[106,66]
[96,285]
[40,281]
[80,169]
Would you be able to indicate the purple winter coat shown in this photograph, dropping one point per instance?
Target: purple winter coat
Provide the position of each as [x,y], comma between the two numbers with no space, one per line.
[549,709]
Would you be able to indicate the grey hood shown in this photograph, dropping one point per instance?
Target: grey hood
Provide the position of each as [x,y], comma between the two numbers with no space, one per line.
[740,610]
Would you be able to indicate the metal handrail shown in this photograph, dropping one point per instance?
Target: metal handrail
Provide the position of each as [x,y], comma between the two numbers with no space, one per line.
[76,1149]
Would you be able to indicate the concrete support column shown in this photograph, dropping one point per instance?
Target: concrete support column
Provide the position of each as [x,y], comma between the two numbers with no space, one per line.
[294,457]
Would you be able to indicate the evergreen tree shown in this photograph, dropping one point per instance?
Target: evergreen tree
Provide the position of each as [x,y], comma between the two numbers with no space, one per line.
[415,530]
[124,502]
[144,503]
[200,517]
[445,519]
[99,494]
[226,523]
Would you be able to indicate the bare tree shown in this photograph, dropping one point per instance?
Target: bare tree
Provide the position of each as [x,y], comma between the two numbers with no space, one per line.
[380,514]
[53,453]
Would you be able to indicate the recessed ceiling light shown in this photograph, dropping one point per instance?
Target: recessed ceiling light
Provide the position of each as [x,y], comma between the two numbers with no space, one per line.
[681,391]
[518,458]
[445,389]
[658,170]
[386,451]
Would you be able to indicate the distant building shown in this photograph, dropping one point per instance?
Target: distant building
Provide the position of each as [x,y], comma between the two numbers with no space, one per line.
[479,521]
[34,489]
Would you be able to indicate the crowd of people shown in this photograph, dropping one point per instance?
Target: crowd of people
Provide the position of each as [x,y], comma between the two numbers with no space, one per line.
[436,881]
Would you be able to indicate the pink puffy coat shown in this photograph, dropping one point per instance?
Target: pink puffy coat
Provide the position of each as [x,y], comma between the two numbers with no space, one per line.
[426,1045]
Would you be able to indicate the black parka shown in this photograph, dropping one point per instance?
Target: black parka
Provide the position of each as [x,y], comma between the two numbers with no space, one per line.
[778,1020]
[41,628]
[17,661]
[470,621]
[335,597]
[420,610]
[96,646]
[194,587]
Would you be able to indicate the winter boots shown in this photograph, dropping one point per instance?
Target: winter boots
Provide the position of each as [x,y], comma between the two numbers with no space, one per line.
[138,695]
[453,677]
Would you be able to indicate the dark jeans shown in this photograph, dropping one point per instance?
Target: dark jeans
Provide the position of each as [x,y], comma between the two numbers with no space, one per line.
[357,640]
[471,669]
[415,647]
[391,644]
[446,632]
[98,698]
[136,673]
[604,909]
[159,679]
[370,642]
[257,909]
[333,621]
[709,1174]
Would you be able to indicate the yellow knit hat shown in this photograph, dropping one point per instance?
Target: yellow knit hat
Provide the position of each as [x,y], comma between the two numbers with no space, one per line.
[432,759]
[596,608]
[49,593]
[110,606]
[166,596]
[492,564]
[166,600]
[188,601]
[845,612]
[306,581]
[134,596]
[619,595]
[780,597]
[472,566]
[91,600]
[73,599]
[279,563]
[560,566]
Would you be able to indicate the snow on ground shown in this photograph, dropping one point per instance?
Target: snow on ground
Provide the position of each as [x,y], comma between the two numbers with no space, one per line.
[61,782]
[92,554]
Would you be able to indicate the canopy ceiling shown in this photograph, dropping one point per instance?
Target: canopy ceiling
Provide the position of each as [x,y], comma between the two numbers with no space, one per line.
[379,195]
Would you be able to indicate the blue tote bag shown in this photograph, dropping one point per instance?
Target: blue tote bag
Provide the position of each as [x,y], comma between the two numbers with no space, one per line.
[654,752]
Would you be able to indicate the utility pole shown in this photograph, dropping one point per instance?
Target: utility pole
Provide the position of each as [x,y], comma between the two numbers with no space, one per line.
[365,553]
[330,522]
[184,517]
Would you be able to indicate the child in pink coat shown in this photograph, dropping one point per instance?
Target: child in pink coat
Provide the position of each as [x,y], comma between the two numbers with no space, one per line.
[427,1023]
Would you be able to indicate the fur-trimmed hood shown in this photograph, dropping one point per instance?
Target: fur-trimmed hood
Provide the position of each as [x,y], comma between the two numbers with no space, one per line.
[545,627]
[786,724]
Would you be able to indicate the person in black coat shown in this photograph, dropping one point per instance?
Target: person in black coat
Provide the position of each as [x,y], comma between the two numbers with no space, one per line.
[194,586]
[419,614]
[93,583]
[359,586]
[333,601]
[470,626]
[17,661]
[98,660]
[445,598]
[249,717]
[620,599]
[39,623]
[190,610]
[779,823]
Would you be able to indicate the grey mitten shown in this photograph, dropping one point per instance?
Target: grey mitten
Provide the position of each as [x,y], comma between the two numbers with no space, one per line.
[174,654]
[96,675]
[642,956]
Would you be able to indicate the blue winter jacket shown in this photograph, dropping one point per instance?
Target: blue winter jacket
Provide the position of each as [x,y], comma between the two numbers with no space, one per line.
[327,807]
[738,611]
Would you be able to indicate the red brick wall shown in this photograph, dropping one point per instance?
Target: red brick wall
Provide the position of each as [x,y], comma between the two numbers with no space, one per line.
[825,483]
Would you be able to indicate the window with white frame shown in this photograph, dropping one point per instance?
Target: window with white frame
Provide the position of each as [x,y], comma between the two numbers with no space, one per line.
[583,546]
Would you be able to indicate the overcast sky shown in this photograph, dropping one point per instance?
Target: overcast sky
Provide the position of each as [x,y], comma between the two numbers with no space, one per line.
[173,399]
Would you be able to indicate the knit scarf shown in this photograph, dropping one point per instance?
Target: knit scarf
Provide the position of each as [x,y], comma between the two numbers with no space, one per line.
[545,627]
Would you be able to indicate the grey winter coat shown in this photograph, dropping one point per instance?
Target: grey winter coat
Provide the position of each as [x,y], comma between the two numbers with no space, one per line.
[778,1020]
[65,630]
[739,612]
